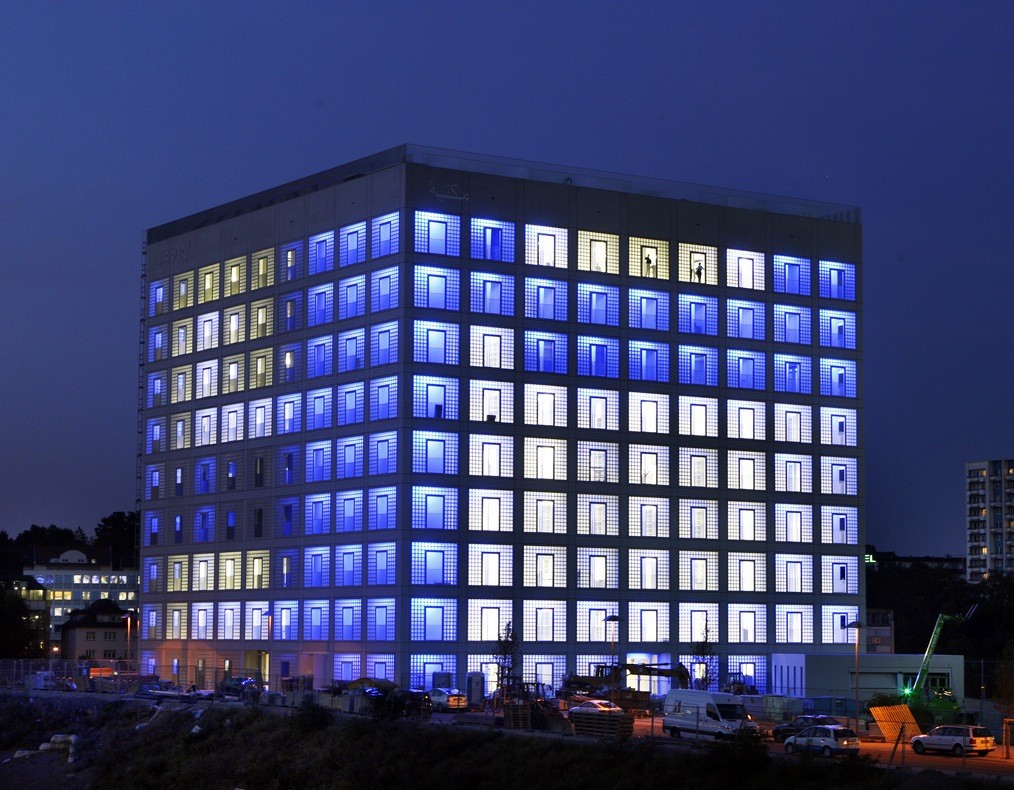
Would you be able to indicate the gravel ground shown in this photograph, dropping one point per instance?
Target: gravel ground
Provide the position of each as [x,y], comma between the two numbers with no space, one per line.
[42,771]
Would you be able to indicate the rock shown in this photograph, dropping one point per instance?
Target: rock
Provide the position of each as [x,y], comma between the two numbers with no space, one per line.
[45,747]
[61,739]
[23,753]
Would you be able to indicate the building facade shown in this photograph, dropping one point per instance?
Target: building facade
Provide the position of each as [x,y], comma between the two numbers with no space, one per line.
[98,631]
[989,495]
[73,580]
[393,407]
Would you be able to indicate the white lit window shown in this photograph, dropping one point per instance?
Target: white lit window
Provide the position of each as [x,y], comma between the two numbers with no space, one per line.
[544,462]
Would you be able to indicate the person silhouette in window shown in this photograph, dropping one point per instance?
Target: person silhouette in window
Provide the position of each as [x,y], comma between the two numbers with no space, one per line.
[649,267]
[699,271]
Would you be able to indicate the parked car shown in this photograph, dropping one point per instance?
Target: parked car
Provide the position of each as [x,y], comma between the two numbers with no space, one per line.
[798,724]
[702,715]
[598,706]
[415,703]
[826,740]
[448,699]
[957,739]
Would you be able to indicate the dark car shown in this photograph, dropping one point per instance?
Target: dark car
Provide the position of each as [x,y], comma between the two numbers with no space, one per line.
[414,703]
[798,724]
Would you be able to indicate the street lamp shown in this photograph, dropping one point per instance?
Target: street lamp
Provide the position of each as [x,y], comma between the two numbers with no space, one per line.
[856,625]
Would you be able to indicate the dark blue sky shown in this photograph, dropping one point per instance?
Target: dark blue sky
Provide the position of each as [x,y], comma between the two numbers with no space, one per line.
[121,115]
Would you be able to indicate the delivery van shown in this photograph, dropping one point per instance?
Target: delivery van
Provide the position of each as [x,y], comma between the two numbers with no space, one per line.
[702,715]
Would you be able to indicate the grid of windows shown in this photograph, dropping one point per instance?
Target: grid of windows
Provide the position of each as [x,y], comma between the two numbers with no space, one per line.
[321,362]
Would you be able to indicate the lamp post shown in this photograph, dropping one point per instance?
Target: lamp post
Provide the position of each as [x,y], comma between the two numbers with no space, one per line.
[856,625]
[615,620]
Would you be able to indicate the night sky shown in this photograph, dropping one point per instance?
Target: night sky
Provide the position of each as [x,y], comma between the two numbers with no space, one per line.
[117,116]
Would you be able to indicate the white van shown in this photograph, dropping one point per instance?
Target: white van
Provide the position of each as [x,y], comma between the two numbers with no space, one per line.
[689,713]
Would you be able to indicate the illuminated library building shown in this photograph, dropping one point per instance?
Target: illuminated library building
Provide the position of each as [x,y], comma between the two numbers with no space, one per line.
[391,408]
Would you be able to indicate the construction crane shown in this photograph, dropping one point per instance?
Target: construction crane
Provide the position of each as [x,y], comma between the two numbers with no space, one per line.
[941,704]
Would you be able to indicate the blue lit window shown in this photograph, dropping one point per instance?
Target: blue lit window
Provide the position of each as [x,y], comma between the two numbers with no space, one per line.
[351,350]
[382,507]
[157,297]
[349,506]
[318,514]
[745,370]
[793,373]
[745,319]
[351,297]
[437,234]
[792,275]
[648,309]
[837,280]
[648,361]
[350,457]
[434,620]
[598,356]
[434,563]
[435,397]
[289,418]
[383,453]
[434,453]
[838,378]
[492,294]
[157,345]
[318,409]
[290,316]
[384,398]
[204,525]
[792,324]
[318,461]
[283,514]
[385,231]
[435,461]
[290,261]
[434,508]
[436,288]
[492,240]
[384,289]
[318,357]
[837,329]
[698,315]
[352,244]
[436,343]
[546,353]
[598,304]
[320,304]
[384,343]
[321,253]
[698,365]
[349,398]
[546,299]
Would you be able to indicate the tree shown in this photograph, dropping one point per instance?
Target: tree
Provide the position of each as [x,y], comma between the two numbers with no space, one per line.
[15,627]
[507,658]
[51,537]
[119,533]
[701,661]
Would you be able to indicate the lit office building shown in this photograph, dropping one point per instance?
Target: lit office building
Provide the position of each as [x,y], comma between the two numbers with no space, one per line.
[393,407]
[989,493]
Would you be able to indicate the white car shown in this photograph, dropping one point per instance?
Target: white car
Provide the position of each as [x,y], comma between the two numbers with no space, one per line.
[448,699]
[956,739]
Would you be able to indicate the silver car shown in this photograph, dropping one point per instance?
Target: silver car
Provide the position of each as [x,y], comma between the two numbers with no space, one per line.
[826,740]
[956,739]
